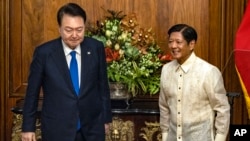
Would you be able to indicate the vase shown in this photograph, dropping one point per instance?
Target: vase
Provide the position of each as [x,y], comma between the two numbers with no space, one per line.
[120,97]
[118,90]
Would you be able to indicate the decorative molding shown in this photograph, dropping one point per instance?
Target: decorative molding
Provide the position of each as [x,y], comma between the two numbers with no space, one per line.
[121,130]
[16,129]
[151,132]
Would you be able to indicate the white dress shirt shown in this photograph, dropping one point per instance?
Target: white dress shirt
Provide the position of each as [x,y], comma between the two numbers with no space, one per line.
[67,51]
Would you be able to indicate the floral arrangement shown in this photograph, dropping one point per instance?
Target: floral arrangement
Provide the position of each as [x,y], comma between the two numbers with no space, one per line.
[132,54]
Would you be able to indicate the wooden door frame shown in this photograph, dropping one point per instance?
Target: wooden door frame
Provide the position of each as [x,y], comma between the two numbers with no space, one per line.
[3,65]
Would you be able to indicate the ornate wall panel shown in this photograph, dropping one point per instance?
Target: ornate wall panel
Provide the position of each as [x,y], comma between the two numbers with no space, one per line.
[34,22]
[120,130]
[137,122]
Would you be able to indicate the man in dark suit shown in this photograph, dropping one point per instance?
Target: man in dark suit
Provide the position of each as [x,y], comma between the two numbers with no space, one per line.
[68,113]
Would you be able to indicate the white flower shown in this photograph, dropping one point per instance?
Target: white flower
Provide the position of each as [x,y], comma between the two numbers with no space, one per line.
[108,33]
[117,46]
[108,43]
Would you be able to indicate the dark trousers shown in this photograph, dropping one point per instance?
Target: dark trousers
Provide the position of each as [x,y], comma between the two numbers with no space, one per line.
[90,137]
[79,136]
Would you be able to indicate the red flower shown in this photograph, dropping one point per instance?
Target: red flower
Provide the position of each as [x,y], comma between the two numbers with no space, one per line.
[165,57]
[111,55]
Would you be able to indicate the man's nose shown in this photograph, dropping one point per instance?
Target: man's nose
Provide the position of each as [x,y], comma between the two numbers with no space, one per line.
[173,45]
[74,33]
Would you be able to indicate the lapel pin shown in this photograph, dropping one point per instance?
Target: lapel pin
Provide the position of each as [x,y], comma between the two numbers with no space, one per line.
[88,52]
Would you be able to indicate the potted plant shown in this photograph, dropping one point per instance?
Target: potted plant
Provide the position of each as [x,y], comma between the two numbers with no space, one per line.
[132,54]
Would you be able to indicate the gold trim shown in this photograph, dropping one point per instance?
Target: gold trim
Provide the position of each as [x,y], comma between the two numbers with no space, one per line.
[121,130]
[16,129]
[151,132]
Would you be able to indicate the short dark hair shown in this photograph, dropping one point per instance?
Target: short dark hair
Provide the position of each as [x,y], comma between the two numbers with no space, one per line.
[70,9]
[187,32]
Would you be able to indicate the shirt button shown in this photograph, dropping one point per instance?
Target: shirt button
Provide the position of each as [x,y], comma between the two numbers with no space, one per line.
[179,100]
[179,112]
[179,125]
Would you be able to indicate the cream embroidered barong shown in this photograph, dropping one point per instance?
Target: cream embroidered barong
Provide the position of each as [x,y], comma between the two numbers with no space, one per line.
[193,102]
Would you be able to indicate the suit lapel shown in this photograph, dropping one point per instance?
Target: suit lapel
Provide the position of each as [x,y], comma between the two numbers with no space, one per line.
[61,63]
[85,53]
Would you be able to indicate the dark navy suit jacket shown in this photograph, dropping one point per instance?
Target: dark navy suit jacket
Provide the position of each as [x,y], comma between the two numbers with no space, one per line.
[61,107]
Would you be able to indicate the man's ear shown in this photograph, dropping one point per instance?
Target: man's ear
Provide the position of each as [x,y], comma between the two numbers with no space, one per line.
[192,44]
